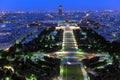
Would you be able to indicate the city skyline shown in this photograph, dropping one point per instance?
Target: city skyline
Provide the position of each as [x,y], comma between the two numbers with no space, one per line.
[28,5]
[59,40]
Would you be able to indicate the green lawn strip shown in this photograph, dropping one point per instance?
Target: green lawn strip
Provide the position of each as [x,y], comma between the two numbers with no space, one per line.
[73,72]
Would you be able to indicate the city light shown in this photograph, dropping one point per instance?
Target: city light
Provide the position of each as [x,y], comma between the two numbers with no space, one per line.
[59,41]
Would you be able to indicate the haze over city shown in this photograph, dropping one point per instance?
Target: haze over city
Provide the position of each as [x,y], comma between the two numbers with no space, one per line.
[28,5]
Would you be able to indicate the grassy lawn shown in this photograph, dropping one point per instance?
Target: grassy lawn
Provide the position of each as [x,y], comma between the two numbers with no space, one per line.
[72,72]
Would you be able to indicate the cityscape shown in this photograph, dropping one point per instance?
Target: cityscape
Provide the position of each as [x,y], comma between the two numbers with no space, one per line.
[60,44]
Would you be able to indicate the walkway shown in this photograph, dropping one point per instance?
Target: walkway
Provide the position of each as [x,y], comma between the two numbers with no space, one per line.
[71,67]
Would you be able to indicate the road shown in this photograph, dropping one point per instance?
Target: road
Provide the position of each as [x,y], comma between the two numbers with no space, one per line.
[71,67]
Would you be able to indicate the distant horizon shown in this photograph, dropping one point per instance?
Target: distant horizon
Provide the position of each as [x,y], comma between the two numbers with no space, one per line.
[54,10]
[68,5]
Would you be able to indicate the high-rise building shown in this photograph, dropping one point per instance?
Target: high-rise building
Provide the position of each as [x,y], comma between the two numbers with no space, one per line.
[60,9]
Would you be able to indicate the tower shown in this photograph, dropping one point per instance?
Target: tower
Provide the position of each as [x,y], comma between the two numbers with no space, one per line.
[60,9]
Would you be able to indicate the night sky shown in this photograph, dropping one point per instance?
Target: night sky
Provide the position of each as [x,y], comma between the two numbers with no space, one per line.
[26,5]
